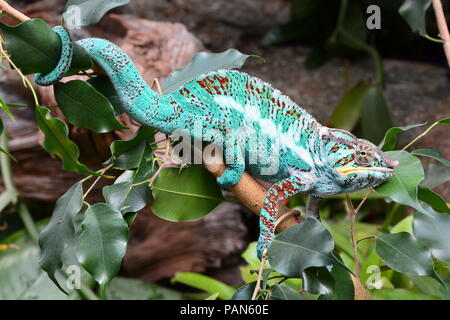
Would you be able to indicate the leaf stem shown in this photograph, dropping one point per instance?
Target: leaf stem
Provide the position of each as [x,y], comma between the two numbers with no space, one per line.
[421,135]
[102,171]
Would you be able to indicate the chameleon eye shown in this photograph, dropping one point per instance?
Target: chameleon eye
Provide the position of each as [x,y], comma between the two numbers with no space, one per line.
[363,158]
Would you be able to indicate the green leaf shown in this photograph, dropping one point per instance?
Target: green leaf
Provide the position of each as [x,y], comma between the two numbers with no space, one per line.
[317,280]
[127,153]
[185,195]
[21,277]
[413,11]
[5,107]
[35,47]
[202,63]
[343,285]
[433,199]
[85,107]
[104,85]
[390,138]
[102,242]
[404,225]
[205,283]
[376,117]
[82,13]
[245,292]
[57,142]
[403,253]
[436,175]
[300,247]
[281,292]
[402,187]
[133,289]
[348,111]
[214,296]
[433,230]
[60,233]
[431,153]
[124,195]
[444,121]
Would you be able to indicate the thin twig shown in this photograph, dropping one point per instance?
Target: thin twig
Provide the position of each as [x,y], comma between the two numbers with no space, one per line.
[365,238]
[102,171]
[166,155]
[421,135]
[443,28]
[352,212]
[260,273]
[10,11]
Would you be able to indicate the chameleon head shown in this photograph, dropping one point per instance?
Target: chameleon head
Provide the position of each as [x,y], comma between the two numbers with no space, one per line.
[356,163]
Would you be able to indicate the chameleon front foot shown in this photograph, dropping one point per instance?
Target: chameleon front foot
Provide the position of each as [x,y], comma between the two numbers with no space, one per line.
[230,177]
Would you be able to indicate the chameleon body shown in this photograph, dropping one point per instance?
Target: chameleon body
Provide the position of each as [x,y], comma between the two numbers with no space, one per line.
[308,157]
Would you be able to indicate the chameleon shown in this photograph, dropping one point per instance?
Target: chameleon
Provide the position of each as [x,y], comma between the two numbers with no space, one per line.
[309,157]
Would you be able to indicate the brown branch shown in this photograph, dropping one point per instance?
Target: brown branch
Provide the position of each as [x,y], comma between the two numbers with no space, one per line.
[443,28]
[10,11]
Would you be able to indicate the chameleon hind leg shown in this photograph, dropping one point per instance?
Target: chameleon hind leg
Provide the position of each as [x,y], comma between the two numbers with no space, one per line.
[269,213]
[64,62]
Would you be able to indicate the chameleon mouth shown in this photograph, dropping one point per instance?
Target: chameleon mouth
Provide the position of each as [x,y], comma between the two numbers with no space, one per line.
[348,170]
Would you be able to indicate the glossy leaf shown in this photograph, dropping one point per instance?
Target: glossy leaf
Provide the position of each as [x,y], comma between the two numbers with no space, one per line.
[102,242]
[413,11]
[124,195]
[348,111]
[133,289]
[390,138]
[85,107]
[82,13]
[403,185]
[300,247]
[403,253]
[317,280]
[22,278]
[205,283]
[60,232]
[57,142]
[433,199]
[185,195]
[127,153]
[245,292]
[433,230]
[436,175]
[202,63]
[35,47]
[281,292]
[343,288]
[106,88]
[435,154]
[376,117]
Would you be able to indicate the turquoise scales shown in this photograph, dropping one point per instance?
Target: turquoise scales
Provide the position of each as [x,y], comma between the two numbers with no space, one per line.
[250,120]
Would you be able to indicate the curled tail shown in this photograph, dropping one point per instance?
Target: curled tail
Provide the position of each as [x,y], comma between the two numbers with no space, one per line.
[137,98]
